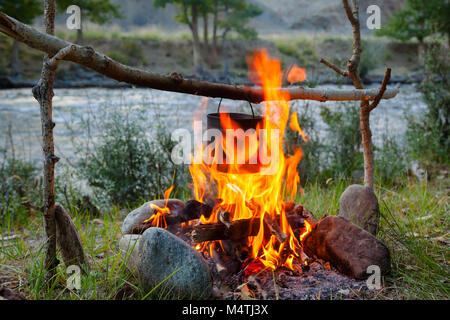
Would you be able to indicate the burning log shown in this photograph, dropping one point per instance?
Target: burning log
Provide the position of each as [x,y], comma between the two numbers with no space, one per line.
[239,229]
[224,217]
[191,211]
[244,228]
[235,230]
[275,228]
[195,209]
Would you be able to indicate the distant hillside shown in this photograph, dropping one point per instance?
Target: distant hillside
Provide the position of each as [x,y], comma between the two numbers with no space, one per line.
[279,15]
[322,15]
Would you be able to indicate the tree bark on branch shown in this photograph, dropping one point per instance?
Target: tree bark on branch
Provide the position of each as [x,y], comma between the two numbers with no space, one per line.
[101,63]
[365,107]
[43,93]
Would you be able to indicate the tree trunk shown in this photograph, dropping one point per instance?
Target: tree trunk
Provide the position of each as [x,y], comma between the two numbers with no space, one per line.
[225,52]
[366,135]
[198,63]
[79,39]
[365,107]
[15,62]
[224,43]
[421,52]
[207,54]
[205,33]
[43,93]
[215,22]
[364,115]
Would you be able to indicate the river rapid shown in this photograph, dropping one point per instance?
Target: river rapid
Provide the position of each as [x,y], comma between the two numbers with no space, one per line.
[173,110]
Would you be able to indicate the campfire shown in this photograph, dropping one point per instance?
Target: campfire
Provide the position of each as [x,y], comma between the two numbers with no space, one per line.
[242,219]
[241,180]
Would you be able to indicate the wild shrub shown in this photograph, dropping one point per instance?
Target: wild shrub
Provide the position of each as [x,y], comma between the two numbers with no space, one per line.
[427,135]
[130,159]
[342,148]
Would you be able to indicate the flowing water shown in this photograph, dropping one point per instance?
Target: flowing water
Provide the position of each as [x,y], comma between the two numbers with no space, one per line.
[174,110]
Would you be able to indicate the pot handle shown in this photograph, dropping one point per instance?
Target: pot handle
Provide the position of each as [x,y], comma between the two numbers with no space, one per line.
[251,106]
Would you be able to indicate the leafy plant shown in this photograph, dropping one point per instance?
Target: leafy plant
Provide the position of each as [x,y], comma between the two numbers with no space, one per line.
[418,19]
[126,166]
[310,166]
[19,181]
[428,136]
[373,54]
[97,11]
[343,147]
[390,161]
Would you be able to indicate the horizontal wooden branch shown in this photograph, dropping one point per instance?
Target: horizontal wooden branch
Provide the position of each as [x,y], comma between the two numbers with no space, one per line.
[103,64]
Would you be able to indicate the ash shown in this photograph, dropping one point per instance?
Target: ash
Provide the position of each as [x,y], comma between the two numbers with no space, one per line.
[319,281]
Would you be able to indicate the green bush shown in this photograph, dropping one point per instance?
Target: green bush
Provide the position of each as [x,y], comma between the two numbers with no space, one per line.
[343,140]
[303,51]
[373,54]
[125,166]
[427,136]
[390,162]
[310,166]
[133,50]
[338,153]
[118,56]
[128,52]
[19,181]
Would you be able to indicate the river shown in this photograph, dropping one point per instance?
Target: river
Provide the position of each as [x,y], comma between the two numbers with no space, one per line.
[19,108]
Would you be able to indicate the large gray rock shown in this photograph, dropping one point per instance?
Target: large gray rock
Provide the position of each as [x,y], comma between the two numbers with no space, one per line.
[129,245]
[360,205]
[135,218]
[347,247]
[171,263]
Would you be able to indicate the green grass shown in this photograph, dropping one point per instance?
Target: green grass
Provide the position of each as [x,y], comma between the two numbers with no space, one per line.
[302,50]
[414,225]
[21,260]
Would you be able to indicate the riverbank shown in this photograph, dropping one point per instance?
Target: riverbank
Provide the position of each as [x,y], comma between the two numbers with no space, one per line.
[174,55]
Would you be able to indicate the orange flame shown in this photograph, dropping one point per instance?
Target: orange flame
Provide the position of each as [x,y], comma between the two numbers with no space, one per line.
[159,218]
[258,195]
[296,74]
[296,127]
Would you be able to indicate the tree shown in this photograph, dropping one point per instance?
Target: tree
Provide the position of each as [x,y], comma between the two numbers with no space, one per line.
[26,11]
[97,11]
[89,58]
[227,15]
[438,13]
[365,107]
[189,14]
[419,19]
[236,16]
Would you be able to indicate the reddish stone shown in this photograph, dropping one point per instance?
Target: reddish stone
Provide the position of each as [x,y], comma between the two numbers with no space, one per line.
[347,247]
